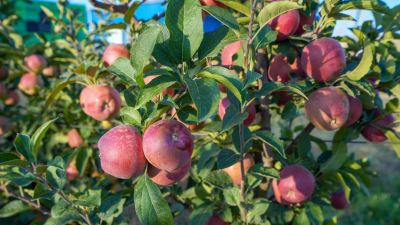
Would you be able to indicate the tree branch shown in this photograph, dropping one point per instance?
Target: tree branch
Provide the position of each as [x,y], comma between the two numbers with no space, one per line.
[110,7]
[307,130]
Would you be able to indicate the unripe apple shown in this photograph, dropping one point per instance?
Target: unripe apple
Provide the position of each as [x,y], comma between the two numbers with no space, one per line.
[113,52]
[338,200]
[168,91]
[279,69]
[12,98]
[212,2]
[323,59]
[277,194]
[30,84]
[162,177]
[374,134]
[35,64]
[224,103]
[296,184]
[3,73]
[101,102]
[190,126]
[74,139]
[49,71]
[71,171]
[215,220]
[355,110]
[283,97]
[168,144]
[229,51]
[304,20]
[235,171]
[106,124]
[3,92]
[286,24]
[5,126]
[121,153]
[327,108]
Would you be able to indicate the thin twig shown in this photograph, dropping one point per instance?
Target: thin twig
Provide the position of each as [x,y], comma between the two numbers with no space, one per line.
[110,7]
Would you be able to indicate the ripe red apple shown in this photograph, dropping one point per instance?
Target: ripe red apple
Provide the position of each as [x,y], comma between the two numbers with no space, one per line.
[113,52]
[355,110]
[168,91]
[212,2]
[338,200]
[374,134]
[49,71]
[286,24]
[3,92]
[3,73]
[168,144]
[101,102]
[162,177]
[71,171]
[190,126]
[121,153]
[229,51]
[235,171]
[12,98]
[304,20]
[277,194]
[296,184]
[5,126]
[323,59]
[283,97]
[35,63]
[74,139]
[279,69]
[215,220]
[327,108]
[224,103]
[30,84]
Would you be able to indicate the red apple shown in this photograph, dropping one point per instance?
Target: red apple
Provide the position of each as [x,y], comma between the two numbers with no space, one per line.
[355,110]
[229,51]
[374,134]
[224,103]
[327,108]
[30,84]
[296,184]
[286,24]
[121,154]
[5,125]
[49,71]
[212,2]
[35,63]
[215,220]
[12,98]
[338,200]
[113,52]
[279,69]
[304,20]
[235,171]
[71,171]
[168,91]
[277,194]
[162,177]
[323,59]
[74,139]
[101,102]
[3,73]
[283,97]
[168,144]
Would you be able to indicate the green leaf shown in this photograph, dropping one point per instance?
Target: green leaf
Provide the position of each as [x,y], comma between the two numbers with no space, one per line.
[232,196]
[121,26]
[219,179]
[131,10]
[205,95]
[130,95]
[247,136]
[111,207]
[122,68]
[183,19]
[142,48]
[303,144]
[187,115]
[201,213]
[365,64]
[67,218]
[21,144]
[168,100]
[13,208]
[261,170]
[260,207]
[275,9]
[42,192]
[56,177]
[61,208]
[131,116]
[56,91]
[392,137]
[82,159]
[91,198]
[222,15]
[38,136]
[152,89]
[264,37]
[373,5]
[272,140]
[150,205]
[314,213]
[237,6]
[271,87]
[20,178]
[10,159]
[227,158]
[251,77]
[233,116]
[301,219]
[289,111]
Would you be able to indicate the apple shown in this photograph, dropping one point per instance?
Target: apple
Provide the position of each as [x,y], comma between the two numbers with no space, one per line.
[279,69]
[304,20]
[168,145]
[323,59]
[121,154]
[229,51]
[327,108]
[3,73]
[101,102]
[374,134]
[168,91]
[338,200]
[49,71]
[283,97]
[235,170]
[355,110]
[12,98]
[5,125]
[74,139]
[277,194]
[215,220]
[286,24]
[30,84]
[224,103]
[162,177]
[296,184]
[35,63]
[113,52]
[106,124]
[71,171]
[212,2]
